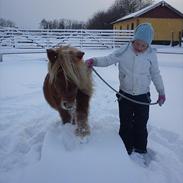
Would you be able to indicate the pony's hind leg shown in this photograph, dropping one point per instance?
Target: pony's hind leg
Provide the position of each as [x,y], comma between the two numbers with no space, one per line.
[65,116]
[82,105]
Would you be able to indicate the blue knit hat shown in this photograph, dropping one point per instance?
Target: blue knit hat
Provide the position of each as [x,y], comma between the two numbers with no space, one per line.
[144,32]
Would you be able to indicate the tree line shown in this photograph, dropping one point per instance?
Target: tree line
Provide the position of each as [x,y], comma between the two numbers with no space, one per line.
[61,24]
[6,23]
[120,8]
[100,20]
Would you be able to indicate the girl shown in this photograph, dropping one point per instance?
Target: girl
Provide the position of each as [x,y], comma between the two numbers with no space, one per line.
[138,66]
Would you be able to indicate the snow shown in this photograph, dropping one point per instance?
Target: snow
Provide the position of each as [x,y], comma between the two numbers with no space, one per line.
[36,147]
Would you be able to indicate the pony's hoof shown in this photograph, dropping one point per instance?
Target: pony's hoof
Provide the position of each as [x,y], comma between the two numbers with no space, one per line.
[82,132]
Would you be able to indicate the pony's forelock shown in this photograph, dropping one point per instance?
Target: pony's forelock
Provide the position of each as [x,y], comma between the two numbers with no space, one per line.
[73,69]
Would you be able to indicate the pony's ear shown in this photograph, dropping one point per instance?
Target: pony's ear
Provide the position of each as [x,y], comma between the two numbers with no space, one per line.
[52,55]
[80,54]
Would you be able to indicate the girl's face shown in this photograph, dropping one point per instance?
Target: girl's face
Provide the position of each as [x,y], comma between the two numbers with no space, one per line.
[139,46]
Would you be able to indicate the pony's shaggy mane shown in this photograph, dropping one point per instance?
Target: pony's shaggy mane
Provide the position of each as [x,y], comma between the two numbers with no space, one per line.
[73,68]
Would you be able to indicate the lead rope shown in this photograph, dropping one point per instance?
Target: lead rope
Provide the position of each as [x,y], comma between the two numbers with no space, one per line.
[121,95]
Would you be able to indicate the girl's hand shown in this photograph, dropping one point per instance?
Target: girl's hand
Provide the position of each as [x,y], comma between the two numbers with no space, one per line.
[161,100]
[89,63]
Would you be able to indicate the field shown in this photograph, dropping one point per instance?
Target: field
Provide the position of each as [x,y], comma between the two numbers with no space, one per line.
[35,147]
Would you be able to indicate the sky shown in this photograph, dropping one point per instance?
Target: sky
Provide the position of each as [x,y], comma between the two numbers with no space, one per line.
[29,13]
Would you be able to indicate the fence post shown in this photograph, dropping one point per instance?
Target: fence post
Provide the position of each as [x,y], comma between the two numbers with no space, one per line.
[1,57]
[113,39]
[81,40]
[180,39]
[172,44]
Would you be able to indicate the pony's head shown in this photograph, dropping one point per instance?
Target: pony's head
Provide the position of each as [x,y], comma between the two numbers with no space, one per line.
[67,74]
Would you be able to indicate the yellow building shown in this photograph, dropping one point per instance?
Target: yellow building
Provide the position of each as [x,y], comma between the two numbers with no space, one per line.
[166,21]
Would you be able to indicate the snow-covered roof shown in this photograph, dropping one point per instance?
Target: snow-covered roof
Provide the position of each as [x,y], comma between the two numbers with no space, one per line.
[146,9]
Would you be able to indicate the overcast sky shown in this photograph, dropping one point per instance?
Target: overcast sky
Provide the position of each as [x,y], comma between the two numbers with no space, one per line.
[29,13]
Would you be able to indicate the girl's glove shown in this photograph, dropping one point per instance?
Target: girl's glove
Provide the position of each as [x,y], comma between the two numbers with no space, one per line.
[161,100]
[89,62]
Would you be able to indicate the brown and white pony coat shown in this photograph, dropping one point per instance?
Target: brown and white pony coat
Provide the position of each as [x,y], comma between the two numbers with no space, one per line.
[68,86]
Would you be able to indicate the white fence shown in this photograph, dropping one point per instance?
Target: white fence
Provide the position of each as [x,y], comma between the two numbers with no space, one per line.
[45,38]
[37,40]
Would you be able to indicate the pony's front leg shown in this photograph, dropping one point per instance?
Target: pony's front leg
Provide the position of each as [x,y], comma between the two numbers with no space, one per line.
[82,128]
[82,106]
[65,115]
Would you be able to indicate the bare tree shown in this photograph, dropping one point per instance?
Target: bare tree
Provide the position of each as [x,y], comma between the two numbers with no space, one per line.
[6,23]
[43,24]
[101,19]
[62,24]
[120,8]
[98,21]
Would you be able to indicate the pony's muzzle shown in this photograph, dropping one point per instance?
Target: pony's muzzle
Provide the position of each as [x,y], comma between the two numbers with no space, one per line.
[68,105]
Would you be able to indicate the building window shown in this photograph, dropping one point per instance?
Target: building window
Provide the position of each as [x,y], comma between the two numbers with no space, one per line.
[132,26]
[127,27]
[120,27]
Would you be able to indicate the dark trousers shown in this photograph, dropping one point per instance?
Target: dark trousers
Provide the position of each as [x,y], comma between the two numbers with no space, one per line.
[133,122]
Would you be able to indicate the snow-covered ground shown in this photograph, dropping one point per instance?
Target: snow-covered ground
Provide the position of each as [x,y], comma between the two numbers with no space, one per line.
[36,148]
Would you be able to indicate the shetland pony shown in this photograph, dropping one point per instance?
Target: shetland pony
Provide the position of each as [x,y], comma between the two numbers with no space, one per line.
[68,87]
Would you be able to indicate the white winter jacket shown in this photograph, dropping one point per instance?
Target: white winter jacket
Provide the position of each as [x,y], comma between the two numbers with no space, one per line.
[135,70]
